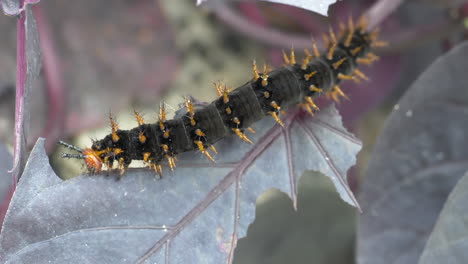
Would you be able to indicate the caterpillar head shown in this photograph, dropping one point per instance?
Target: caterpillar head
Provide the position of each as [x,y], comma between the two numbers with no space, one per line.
[93,158]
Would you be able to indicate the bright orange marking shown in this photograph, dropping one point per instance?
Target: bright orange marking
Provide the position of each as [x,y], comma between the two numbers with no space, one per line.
[117,151]
[202,150]
[332,46]
[114,128]
[138,117]
[315,49]
[219,88]
[292,57]
[275,116]
[199,133]
[379,43]
[311,103]
[158,169]
[166,134]
[241,135]
[165,147]
[337,89]
[360,74]
[356,50]
[188,106]
[162,117]
[307,108]
[315,89]
[141,137]
[255,71]
[170,162]
[285,58]
[275,105]
[225,95]
[264,76]
[306,60]
[345,77]
[309,75]
[92,160]
[146,156]
[338,63]
[364,61]
[162,113]
[213,149]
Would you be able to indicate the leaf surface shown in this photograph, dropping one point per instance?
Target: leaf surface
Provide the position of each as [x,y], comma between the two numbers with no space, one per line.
[195,213]
[322,229]
[317,6]
[449,239]
[5,165]
[418,159]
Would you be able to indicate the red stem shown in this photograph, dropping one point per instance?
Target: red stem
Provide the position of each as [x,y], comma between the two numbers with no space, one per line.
[270,36]
[252,12]
[379,11]
[375,14]
[305,19]
[20,81]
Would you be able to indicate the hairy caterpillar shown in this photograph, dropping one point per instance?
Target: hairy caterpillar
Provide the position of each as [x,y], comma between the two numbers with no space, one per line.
[233,112]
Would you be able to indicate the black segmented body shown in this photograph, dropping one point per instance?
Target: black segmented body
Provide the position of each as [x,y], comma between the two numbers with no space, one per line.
[287,86]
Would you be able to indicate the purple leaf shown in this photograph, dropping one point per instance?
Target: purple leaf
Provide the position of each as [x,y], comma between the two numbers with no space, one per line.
[419,157]
[449,239]
[198,213]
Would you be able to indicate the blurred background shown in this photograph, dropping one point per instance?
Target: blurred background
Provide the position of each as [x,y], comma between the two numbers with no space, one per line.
[101,57]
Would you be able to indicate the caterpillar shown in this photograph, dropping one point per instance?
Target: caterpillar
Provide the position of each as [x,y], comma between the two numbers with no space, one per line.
[266,94]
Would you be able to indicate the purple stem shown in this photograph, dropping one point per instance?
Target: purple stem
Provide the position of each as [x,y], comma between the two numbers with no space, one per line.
[376,14]
[305,19]
[20,82]
[270,36]
[54,83]
[252,12]
[380,11]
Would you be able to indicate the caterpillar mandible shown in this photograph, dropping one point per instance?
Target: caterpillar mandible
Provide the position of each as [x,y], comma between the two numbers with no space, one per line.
[266,94]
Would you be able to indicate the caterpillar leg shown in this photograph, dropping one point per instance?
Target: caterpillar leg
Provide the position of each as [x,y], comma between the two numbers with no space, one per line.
[335,92]
[171,162]
[276,118]
[203,150]
[241,135]
[158,169]
[122,167]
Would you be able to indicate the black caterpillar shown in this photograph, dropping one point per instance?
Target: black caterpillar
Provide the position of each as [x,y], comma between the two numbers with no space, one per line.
[234,111]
